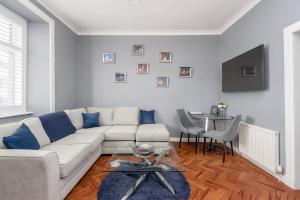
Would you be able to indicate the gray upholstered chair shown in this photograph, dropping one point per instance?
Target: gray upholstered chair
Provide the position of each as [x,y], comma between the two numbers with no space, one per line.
[228,135]
[187,127]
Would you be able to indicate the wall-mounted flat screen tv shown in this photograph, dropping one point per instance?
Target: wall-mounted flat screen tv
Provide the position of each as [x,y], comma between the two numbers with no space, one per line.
[245,72]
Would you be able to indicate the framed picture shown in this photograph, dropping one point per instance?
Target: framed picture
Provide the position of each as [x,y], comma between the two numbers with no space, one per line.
[185,72]
[108,58]
[162,82]
[137,50]
[120,77]
[142,68]
[165,57]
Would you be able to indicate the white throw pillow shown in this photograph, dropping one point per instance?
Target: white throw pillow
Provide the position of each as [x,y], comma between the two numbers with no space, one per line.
[7,130]
[75,116]
[106,115]
[126,116]
[36,127]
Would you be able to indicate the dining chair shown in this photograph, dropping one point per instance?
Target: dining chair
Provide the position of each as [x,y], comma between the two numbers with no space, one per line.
[228,135]
[188,127]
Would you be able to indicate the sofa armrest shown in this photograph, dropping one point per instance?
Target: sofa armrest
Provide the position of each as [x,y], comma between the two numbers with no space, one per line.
[29,174]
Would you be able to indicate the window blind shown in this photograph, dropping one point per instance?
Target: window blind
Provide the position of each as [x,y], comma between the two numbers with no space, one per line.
[11,65]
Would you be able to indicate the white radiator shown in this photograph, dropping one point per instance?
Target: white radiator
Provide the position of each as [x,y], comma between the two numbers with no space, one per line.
[259,145]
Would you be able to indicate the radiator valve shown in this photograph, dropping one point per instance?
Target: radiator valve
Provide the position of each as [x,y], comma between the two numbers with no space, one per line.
[279,169]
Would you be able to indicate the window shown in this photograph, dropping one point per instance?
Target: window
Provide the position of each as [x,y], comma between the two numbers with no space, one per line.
[13,40]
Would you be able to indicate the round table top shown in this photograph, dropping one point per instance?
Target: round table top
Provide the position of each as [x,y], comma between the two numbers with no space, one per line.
[210,116]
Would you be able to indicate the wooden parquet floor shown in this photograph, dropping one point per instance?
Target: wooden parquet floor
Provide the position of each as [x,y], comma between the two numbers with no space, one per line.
[209,178]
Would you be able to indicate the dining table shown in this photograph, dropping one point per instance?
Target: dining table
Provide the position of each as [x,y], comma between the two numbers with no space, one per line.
[209,117]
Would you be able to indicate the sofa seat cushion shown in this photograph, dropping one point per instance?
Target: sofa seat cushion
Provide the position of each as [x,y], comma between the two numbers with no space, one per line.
[69,156]
[120,133]
[152,133]
[87,138]
[97,130]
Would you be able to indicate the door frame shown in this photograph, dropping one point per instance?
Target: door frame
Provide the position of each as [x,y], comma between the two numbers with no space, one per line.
[289,92]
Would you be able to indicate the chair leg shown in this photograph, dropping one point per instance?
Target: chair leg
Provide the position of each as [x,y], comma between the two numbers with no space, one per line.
[210,144]
[196,141]
[188,138]
[224,151]
[180,139]
[231,148]
[204,146]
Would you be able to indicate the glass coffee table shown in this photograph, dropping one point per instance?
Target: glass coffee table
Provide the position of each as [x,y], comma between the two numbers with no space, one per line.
[145,159]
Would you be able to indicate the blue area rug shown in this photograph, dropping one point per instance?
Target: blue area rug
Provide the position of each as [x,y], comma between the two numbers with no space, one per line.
[116,184]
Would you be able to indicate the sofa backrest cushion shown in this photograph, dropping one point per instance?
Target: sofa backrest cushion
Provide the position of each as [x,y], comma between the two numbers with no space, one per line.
[22,138]
[57,125]
[106,115]
[75,116]
[126,116]
[36,128]
[6,130]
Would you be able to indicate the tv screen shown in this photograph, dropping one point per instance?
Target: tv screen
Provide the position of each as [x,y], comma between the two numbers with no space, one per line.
[245,72]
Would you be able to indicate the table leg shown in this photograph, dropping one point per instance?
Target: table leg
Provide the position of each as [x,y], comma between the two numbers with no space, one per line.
[134,186]
[167,184]
[214,122]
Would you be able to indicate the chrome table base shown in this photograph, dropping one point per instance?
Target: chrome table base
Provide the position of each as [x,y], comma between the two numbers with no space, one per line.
[144,176]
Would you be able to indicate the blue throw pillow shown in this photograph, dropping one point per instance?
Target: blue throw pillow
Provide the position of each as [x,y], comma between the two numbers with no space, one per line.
[57,125]
[22,138]
[90,120]
[147,117]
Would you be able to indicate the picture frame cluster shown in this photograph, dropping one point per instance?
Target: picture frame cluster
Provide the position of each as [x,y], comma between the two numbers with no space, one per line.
[144,68]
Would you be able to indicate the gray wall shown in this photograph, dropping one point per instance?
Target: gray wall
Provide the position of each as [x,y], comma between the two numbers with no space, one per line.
[262,25]
[96,85]
[38,80]
[65,68]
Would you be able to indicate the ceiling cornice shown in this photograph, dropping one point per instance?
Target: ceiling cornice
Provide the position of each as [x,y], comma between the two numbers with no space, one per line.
[244,10]
[63,19]
[148,32]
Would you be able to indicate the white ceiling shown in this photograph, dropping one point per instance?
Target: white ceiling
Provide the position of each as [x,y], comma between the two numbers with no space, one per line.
[149,16]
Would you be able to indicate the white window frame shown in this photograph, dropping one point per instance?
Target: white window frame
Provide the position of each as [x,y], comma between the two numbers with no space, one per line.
[16,110]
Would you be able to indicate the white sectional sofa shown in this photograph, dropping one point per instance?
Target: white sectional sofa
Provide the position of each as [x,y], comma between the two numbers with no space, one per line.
[51,172]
